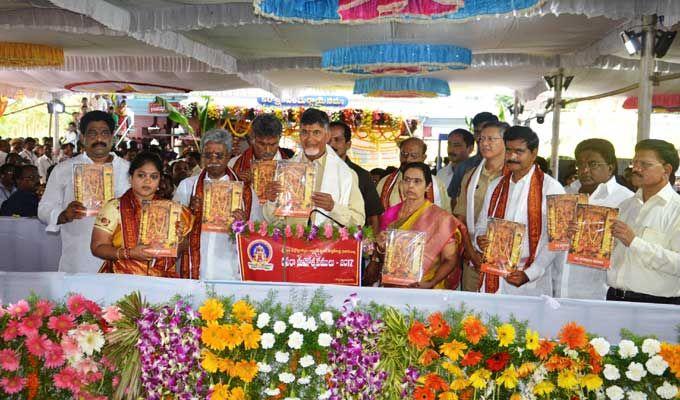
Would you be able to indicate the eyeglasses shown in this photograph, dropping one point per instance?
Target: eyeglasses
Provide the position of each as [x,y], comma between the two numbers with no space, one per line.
[640,164]
[591,165]
[411,155]
[217,156]
[483,139]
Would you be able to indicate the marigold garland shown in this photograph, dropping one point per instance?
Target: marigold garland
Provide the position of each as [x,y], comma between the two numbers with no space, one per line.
[30,55]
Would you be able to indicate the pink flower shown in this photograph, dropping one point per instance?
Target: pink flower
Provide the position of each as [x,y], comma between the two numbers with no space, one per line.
[263,229]
[2,311]
[93,377]
[299,231]
[111,314]
[54,357]
[13,384]
[328,231]
[344,233]
[288,232]
[70,347]
[11,330]
[115,381]
[19,309]
[86,366]
[61,323]
[76,305]
[29,326]
[93,308]
[37,344]
[251,226]
[67,379]
[43,308]
[9,361]
[107,364]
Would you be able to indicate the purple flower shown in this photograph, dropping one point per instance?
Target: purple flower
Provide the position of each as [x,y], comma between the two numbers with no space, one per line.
[238,227]
[313,232]
[276,234]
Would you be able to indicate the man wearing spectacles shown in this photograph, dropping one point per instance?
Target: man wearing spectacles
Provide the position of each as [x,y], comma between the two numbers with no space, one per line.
[645,264]
[596,167]
[58,208]
[24,201]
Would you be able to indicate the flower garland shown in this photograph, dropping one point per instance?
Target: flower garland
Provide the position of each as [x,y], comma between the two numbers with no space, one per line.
[326,231]
[30,55]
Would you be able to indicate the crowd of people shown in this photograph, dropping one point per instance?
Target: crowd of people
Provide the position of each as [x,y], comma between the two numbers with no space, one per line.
[504,179]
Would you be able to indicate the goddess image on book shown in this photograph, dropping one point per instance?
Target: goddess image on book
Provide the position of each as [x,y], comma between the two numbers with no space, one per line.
[593,242]
[263,173]
[561,215]
[505,243]
[403,257]
[93,186]
[221,199]
[297,180]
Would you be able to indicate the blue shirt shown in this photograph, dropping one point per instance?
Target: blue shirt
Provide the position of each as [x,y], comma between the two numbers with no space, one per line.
[21,203]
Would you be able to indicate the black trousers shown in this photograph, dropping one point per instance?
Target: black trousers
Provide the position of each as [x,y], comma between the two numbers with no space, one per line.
[614,294]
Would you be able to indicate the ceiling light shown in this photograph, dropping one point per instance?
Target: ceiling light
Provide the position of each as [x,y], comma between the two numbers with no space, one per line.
[631,41]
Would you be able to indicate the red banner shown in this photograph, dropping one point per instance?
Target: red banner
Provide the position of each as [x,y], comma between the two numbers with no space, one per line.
[298,260]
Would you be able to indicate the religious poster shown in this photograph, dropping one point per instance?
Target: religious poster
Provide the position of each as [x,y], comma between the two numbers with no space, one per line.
[505,246]
[561,214]
[593,242]
[158,227]
[92,186]
[403,257]
[298,180]
[263,173]
[220,200]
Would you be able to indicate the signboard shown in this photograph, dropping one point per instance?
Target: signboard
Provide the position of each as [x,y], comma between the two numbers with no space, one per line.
[264,259]
[305,101]
[155,108]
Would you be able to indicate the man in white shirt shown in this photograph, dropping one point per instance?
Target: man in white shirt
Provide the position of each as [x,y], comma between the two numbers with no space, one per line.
[100,103]
[460,145]
[27,152]
[58,208]
[645,265]
[597,169]
[520,196]
[211,255]
[44,163]
[4,150]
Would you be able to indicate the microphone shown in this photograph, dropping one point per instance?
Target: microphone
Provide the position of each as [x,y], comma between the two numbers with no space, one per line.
[316,210]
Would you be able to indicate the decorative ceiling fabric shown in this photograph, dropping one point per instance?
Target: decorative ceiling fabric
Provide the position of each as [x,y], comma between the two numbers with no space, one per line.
[30,55]
[405,87]
[371,10]
[123,87]
[669,101]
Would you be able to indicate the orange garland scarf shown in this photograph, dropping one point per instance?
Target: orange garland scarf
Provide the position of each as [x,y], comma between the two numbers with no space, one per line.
[499,201]
[389,186]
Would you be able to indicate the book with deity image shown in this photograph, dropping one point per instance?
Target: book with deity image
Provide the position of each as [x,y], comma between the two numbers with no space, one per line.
[220,200]
[93,186]
[263,174]
[403,257]
[593,242]
[561,214]
[505,246]
[297,180]
[158,227]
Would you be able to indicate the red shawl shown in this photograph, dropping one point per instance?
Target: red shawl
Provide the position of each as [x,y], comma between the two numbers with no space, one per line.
[389,186]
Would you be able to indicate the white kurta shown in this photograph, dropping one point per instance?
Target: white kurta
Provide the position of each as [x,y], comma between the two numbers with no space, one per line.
[44,163]
[219,258]
[446,174]
[30,156]
[539,273]
[255,207]
[76,235]
[581,282]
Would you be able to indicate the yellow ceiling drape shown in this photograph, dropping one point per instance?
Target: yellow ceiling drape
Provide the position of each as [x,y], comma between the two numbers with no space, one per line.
[30,55]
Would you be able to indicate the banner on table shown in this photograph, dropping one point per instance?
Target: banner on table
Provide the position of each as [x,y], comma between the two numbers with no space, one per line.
[298,260]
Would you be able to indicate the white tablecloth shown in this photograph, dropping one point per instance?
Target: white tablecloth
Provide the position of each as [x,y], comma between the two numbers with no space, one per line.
[26,247]
[546,315]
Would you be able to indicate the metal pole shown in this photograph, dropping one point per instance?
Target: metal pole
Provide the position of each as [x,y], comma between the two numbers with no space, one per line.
[56,147]
[515,114]
[646,71]
[557,109]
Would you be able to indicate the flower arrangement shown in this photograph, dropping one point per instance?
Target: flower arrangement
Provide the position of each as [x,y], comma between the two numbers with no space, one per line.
[326,231]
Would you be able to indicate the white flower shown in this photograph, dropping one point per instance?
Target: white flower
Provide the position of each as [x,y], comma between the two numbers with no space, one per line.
[667,391]
[295,340]
[326,317]
[267,340]
[651,347]
[306,361]
[286,377]
[298,320]
[325,340]
[310,325]
[90,341]
[627,349]
[272,392]
[321,369]
[636,372]
[292,398]
[264,367]
[571,353]
[611,372]
[304,380]
[279,327]
[656,365]
[281,357]
[601,346]
[325,395]
[263,320]
[637,395]
[614,393]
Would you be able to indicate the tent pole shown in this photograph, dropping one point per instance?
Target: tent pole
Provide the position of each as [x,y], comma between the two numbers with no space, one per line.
[646,71]
[515,114]
[56,147]
[557,109]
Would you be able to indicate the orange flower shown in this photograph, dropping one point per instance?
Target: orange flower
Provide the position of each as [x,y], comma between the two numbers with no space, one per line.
[423,393]
[471,359]
[558,363]
[467,394]
[428,357]
[545,347]
[418,335]
[573,335]
[671,354]
[435,383]
[438,326]
[473,329]
[595,360]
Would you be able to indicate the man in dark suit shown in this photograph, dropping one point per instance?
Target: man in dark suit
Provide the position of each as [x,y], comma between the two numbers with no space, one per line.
[24,201]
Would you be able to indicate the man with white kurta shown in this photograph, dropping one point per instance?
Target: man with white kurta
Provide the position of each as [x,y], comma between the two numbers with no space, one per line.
[211,255]
[265,134]
[411,150]
[520,196]
[58,208]
[596,167]
[337,191]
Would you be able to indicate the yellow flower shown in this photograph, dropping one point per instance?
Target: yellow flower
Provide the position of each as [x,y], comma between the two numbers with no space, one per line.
[525,369]
[532,339]
[212,335]
[506,335]
[453,349]
[459,384]
[209,362]
[567,379]
[591,382]
[232,336]
[508,378]
[246,370]
[516,396]
[479,378]
[243,311]
[448,396]
[251,337]
[220,392]
[237,393]
[452,368]
[226,366]
[544,388]
[211,310]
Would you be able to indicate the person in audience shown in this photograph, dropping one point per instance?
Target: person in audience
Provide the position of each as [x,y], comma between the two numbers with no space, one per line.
[211,255]
[66,151]
[58,208]
[112,112]
[476,181]
[115,237]
[44,163]
[4,151]
[28,152]
[336,192]
[264,137]
[443,232]
[71,135]
[193,158]
[411,150]
[460,144]
[7,183]
[341,142]
[377,174]
[628,179]
[543,165]
[15,159]
[520,196]
[17,145]
[166,189]
[645,262]
[570,176]
[24,201]
[180,171]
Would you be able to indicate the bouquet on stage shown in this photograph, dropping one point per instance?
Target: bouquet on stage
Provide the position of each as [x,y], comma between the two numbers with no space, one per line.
[158,228]
[593,243]
[298,180]
[92,186]
[263,174]
[561,214]
[220,200]
[505,245]
[403,257]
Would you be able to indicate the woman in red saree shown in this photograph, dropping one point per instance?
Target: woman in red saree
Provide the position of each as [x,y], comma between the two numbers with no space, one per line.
[443,231]
[116,230]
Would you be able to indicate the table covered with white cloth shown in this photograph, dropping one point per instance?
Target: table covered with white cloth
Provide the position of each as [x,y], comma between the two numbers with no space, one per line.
[545,314]
[25,246]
